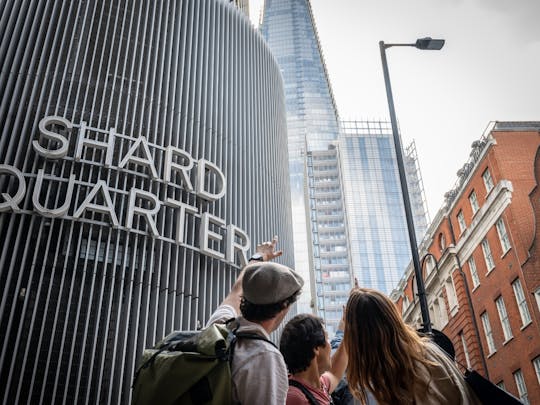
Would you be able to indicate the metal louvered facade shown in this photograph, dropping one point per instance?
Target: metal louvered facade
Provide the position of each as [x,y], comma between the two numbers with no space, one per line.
[101,254]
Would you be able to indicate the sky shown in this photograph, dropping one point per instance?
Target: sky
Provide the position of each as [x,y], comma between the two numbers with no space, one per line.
[488,70]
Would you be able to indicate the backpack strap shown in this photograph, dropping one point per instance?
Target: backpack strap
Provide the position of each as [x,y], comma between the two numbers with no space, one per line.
[146,364]
[234,336]
[253,336]
[311,399]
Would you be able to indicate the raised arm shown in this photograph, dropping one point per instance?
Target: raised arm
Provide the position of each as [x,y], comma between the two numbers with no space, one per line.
[340,358]
[268,252]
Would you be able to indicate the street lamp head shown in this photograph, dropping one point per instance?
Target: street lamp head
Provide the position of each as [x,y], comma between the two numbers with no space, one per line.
[429,44]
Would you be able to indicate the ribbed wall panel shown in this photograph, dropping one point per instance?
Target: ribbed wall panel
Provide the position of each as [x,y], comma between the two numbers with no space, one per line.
[81,299]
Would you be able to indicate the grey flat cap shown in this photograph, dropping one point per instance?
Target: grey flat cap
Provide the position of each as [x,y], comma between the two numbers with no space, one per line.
[269,283]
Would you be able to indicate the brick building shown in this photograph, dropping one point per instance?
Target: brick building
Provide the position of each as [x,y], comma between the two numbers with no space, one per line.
[481,261]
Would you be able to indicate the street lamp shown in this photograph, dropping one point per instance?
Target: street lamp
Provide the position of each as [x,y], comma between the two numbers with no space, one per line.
[424,44]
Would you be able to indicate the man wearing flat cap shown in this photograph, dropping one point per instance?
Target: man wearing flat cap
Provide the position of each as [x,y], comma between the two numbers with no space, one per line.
[262,294]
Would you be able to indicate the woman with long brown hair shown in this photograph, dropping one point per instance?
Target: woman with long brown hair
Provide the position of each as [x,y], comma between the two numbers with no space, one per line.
[390,360]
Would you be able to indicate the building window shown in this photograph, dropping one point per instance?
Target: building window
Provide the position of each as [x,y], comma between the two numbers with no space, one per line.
[461,221]
[503,316]
[521,302]
[522,389]
[536,364]
[474,272]
[537,296]
[474,202]
[405,304]
[500,384]
[503,236]
[451,294]
[490,264]
[488,332]
[430,265]
[488,181]
[442,242]
[443,313]
[438,310]
[465,350]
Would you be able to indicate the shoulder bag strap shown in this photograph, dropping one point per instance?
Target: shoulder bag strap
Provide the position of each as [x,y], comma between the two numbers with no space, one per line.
[254,336]
[244,335]
[311,399]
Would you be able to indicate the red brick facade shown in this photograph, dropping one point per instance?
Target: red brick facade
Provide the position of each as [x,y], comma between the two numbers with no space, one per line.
[504,221]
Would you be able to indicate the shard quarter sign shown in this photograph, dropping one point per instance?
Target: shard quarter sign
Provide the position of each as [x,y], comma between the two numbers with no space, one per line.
[177,174]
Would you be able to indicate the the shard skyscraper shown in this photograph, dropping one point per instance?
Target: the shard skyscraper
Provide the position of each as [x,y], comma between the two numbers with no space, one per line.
[312,119]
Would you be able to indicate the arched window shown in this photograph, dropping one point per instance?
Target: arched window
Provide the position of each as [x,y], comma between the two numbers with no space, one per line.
[442,242]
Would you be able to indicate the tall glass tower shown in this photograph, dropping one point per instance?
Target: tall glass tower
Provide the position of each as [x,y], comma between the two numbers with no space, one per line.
[378,235]
[312,119]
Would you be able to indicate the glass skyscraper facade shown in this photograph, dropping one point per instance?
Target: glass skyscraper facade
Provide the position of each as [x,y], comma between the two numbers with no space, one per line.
[312,120]
[378,237]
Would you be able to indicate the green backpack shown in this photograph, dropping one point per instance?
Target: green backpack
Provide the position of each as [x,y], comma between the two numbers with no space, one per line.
[189,367]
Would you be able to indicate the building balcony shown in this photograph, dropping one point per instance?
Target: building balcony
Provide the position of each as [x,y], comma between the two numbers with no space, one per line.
[329,217]
[326,229]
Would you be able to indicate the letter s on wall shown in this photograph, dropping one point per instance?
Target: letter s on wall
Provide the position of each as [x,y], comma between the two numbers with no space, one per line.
[53,136]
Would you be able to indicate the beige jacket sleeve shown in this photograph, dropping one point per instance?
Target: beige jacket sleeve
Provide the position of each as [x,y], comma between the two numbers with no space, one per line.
[446,382]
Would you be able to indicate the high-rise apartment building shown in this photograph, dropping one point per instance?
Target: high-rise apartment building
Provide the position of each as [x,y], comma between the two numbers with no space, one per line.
[312,120]
[329,234]
[143,152]
[481,261]
[378,237]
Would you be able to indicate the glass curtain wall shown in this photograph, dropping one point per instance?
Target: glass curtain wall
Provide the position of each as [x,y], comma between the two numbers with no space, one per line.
[312,120]
[378,236]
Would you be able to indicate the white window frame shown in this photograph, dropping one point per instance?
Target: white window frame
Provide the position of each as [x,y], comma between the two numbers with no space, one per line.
[473,200]
[430,265]
[536,365]
[451,295]
[438,312]
[474,272]
[461,221]
[442,310]
[505,321]
[521,302]
[488,180]
[522,388]
[501,385]
[405,304]
[488,333]
[503,236]
[537,296]
[488,255]
[434,314]
[465,350]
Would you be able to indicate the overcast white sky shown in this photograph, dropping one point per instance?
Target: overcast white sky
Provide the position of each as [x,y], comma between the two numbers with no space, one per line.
[488,70]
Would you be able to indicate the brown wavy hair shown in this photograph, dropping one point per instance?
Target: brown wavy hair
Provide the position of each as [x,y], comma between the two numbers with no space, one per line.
[385,355]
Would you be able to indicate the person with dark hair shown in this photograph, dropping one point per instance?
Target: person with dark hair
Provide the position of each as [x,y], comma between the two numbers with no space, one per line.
[262,294]
[306,350]
[390,360]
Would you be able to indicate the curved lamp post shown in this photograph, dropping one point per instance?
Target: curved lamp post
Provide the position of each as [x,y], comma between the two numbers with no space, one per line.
[434,259]
[424,44]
